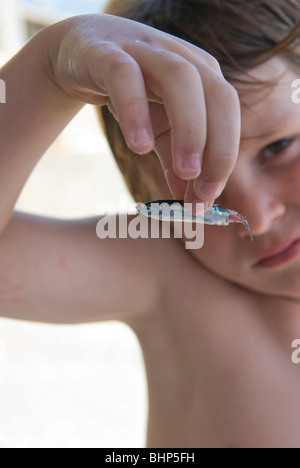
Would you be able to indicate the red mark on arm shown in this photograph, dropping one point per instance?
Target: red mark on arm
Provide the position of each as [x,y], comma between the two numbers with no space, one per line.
[5,279]
[10,290]
[64,264]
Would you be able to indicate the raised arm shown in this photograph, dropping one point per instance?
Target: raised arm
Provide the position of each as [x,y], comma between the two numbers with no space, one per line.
[61,272]
[36,111]
[103,60]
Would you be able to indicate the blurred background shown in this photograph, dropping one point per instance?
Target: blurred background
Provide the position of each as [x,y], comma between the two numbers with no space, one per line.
[78,386]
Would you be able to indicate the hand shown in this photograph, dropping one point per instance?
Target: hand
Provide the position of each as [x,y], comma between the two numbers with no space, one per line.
[167,95]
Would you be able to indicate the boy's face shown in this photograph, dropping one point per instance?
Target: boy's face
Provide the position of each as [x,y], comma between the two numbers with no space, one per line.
[265,187]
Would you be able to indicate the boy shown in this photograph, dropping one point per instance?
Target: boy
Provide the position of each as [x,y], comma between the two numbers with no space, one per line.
[215,325]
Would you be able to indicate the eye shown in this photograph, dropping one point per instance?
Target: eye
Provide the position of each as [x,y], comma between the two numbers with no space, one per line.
[275,153]
[278,146]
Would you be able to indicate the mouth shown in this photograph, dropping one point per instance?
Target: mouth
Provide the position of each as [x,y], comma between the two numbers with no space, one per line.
[279,255]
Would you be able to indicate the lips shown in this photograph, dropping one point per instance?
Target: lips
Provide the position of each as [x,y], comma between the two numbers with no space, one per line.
[280,254]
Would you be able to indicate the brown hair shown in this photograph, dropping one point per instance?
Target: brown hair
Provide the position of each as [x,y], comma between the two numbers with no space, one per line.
[240,34]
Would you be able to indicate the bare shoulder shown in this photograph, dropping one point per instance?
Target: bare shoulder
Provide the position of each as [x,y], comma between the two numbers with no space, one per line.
[183,283]
[184,280]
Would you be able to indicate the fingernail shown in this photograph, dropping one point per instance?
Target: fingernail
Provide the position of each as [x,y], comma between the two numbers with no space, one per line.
[191,165]
[142,139]
[210,190]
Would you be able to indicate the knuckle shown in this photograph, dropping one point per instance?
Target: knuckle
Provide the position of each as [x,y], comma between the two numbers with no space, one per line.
[225,92]
[182,70]
[227,160]
[121,64]
[213,63]
[232,94]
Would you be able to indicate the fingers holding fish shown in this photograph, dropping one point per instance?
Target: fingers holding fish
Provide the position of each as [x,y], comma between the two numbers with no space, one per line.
[174,81]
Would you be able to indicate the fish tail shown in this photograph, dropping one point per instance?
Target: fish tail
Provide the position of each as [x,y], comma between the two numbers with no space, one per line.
[238,218]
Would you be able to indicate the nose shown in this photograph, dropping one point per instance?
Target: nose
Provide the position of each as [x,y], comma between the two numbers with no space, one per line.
[262,214]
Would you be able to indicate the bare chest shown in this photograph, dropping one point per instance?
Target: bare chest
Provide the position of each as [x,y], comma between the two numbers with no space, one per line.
[217,378]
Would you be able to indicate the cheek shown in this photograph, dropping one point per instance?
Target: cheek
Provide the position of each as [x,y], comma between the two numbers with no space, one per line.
[291,181]
[217,250]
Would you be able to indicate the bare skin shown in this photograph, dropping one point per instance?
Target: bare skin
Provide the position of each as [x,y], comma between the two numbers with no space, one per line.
[226,378]
[215,327]
[219,371]
[218,364]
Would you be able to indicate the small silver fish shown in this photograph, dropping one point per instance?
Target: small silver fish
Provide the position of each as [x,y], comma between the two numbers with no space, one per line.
[173,210]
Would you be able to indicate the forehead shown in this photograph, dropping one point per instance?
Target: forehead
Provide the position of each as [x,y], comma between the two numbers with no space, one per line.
[267,101]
